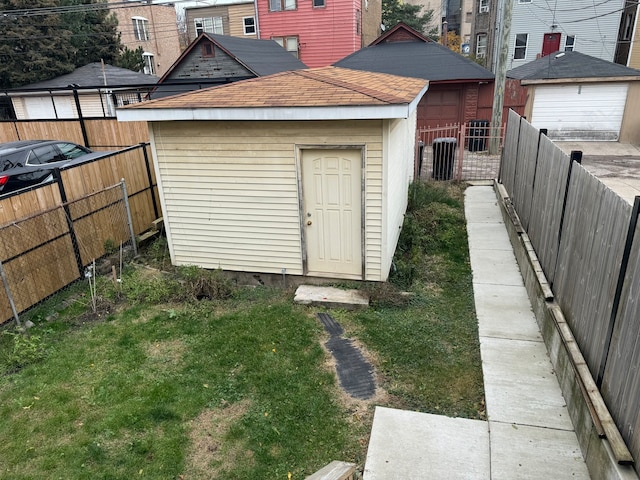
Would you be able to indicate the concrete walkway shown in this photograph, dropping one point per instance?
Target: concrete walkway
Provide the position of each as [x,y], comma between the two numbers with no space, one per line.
[528,434]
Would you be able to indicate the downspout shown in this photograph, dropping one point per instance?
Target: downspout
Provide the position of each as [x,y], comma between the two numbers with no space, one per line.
[255,6]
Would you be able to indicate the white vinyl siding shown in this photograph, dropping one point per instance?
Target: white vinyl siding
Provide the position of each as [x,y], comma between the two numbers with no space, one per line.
[399,164]
[580,112]
[596,24]
[230,190]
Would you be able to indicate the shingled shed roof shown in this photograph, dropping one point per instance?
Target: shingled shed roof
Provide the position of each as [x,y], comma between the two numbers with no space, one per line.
[571,66]
[403,51]
[96,75]
[321,93]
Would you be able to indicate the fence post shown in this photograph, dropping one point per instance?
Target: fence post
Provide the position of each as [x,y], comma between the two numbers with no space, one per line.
[129,220]
[562,214]
[150,178]
[67,214]
[83,127]
[7,289]
[461,139]
[633,222]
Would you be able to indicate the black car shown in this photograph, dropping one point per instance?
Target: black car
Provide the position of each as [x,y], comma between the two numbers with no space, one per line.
[30,162]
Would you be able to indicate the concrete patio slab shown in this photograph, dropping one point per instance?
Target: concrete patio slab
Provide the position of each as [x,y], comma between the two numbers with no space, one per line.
[503,311]
[411,445]
[519,452]
[520,385]
[329,297]
[481,214]
[483,236]
[497,267]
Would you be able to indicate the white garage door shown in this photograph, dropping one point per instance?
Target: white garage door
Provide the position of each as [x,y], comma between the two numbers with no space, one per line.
[580,112]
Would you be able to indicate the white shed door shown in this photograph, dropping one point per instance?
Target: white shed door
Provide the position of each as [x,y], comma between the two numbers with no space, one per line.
[580,112]
[332,212]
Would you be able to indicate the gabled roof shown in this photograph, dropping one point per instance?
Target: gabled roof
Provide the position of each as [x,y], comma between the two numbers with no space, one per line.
[261,57]
[417,58]
[92,75]
[571,66]
[400,30]
[319,93]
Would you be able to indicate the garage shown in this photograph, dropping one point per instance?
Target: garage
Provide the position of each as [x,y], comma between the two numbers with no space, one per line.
[577,97]
[588,111]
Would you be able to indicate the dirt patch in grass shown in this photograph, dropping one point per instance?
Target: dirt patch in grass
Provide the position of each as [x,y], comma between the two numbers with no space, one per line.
[169,352]
[210,454]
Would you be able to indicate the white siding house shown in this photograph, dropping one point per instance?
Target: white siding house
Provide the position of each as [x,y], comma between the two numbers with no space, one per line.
[310,180]
[540,27]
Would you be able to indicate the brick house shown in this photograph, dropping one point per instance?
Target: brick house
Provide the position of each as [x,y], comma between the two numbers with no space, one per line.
[152,27]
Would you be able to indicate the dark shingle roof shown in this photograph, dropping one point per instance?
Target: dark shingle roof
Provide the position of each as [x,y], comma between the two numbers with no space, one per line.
[569,65]
[263,57]
[428,60]
[91,75]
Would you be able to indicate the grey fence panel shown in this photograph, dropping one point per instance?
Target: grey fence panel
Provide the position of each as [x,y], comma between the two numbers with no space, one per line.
[621,381]
[510,152]
[591,248]
[525,170]
[547,202]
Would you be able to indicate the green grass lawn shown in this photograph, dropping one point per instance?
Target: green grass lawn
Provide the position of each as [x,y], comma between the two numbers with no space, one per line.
[163,386]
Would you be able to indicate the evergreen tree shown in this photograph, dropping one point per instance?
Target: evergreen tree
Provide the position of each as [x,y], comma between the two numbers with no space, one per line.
[32,47]
[131,59]
[394,12]
[95,32]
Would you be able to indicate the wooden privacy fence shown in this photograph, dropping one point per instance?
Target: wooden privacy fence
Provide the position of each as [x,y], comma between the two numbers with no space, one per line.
[94,133]
[587,240]
[50,233]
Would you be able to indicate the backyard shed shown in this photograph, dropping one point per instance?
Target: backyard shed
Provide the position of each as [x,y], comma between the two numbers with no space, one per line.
[300,173]
[579,97]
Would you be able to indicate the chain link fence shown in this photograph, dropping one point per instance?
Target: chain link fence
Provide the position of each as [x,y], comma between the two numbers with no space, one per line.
[48,251]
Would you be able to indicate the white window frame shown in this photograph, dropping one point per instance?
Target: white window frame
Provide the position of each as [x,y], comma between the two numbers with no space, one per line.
[208,25]
[246,27]
[140,29]
[280,5]
[570,43]
[522,48]
[149,63]
[481,49]
[288,42]
[483,6]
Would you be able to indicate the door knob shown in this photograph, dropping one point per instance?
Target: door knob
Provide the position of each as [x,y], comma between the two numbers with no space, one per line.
[308,222]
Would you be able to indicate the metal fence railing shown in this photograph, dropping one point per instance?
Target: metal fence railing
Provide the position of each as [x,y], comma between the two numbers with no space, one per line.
[469,151]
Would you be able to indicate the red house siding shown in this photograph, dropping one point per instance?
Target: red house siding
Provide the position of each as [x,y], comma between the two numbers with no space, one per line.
[325,34]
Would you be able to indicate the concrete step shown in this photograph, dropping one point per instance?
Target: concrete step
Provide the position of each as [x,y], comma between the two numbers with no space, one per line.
[330,297]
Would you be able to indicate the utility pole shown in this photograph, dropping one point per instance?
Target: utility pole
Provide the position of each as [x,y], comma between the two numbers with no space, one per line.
[501,76]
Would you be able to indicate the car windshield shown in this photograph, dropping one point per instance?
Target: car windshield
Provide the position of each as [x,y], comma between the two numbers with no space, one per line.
[71,150]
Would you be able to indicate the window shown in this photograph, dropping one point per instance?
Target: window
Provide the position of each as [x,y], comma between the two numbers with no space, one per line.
[149,67]
[209,25]
[483,6]
[141,28]
[249,24]
[520,51]
[319,3]
[208,49]
[279,5]
[290,44]
[627,26]
[569,43]
[481,45]
[524,1]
